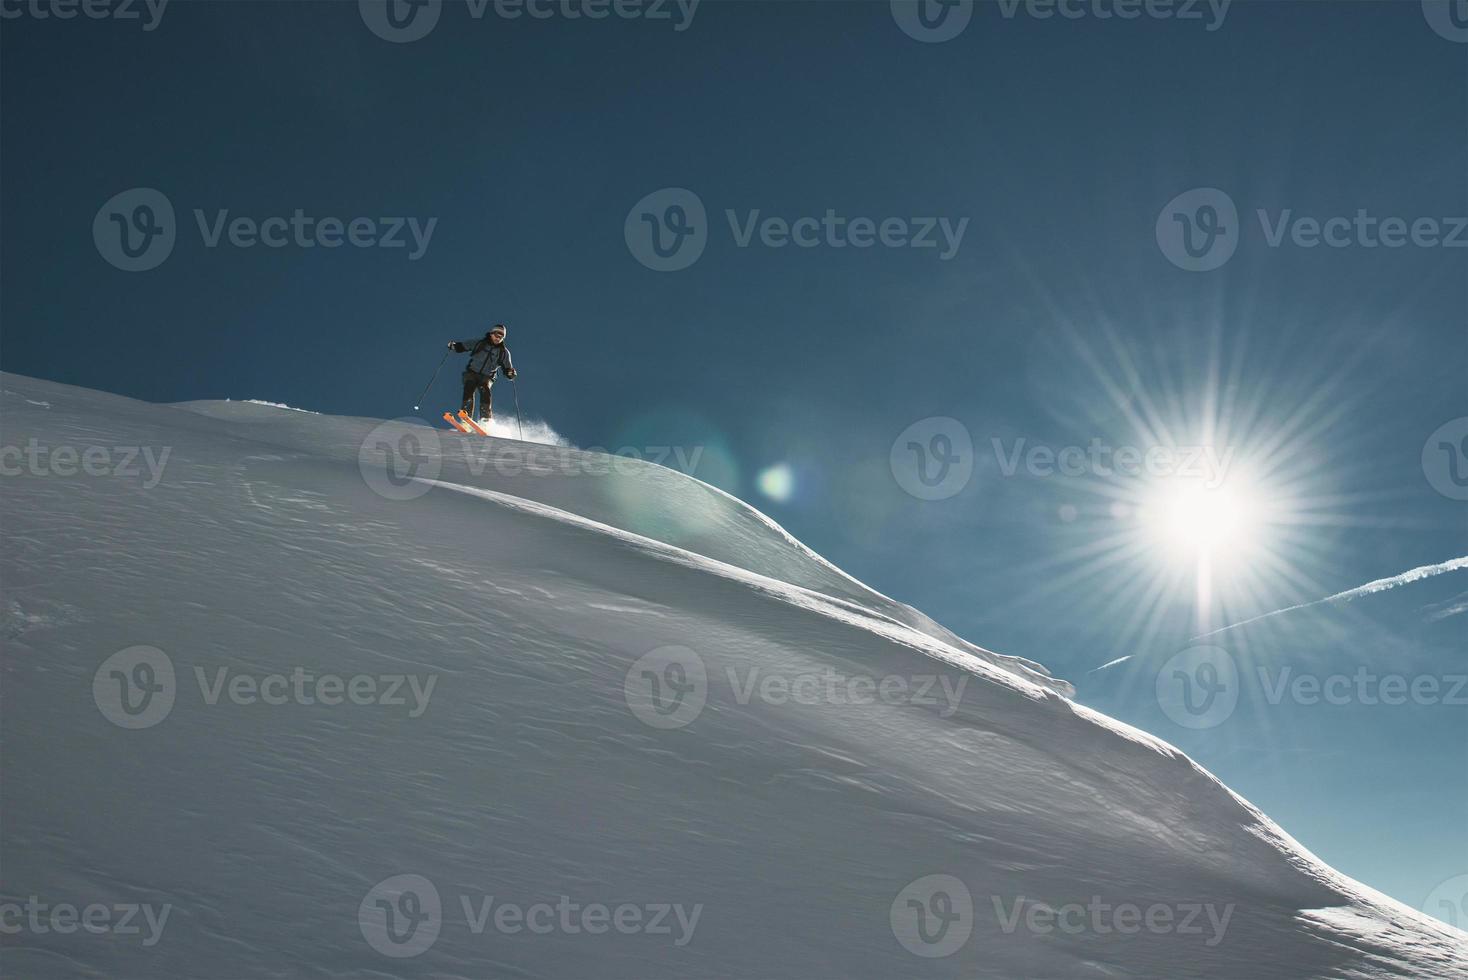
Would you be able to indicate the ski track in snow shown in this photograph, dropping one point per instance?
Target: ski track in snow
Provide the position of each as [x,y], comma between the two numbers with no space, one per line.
[529,597]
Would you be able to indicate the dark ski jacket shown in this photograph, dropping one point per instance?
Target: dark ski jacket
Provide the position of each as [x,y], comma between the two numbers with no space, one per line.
[485,358]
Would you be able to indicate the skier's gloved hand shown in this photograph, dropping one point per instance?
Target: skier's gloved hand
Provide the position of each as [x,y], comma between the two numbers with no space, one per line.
[511,374]
[456,347]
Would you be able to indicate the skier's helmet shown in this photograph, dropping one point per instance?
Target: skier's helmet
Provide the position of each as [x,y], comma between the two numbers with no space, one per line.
[498,328]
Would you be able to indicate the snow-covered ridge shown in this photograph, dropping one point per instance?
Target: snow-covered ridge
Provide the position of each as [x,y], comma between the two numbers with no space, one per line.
[627,494]
[529,785]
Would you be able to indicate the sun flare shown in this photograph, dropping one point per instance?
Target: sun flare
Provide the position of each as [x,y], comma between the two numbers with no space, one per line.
[1235,508]
[1193,521]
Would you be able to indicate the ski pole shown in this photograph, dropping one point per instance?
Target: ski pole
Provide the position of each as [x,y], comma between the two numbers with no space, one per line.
[434,378]
[516,389]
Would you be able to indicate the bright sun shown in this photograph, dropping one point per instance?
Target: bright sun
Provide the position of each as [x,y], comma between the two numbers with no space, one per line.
[1215,533]
[1225,516]
[1192,521]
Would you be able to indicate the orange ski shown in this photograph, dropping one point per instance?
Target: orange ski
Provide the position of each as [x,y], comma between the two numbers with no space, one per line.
[471,423]
[459,426]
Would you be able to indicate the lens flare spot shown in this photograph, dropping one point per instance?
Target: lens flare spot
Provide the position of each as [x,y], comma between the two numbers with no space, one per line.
[777,482]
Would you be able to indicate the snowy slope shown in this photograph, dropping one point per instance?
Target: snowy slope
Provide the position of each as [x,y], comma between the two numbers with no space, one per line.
[741,831]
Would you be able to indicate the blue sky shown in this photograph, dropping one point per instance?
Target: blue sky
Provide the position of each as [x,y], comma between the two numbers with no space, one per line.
[1060,316]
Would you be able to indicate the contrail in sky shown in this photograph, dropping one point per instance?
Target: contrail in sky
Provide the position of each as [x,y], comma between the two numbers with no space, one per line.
[1380,585]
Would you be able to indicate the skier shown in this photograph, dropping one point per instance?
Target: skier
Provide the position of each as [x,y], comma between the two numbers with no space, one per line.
[488,355]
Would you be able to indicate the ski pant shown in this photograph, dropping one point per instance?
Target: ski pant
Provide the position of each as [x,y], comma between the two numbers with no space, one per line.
[474,381]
